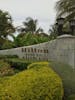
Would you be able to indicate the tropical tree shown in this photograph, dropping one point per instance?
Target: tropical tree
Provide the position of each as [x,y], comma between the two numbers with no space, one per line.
[8,45]
[27,39]
[66,8]
[53,32]
[6,26]
[30,25]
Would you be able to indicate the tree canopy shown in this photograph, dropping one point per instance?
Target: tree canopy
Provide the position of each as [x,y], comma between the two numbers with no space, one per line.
[30,25]
[6,26]
[66,8]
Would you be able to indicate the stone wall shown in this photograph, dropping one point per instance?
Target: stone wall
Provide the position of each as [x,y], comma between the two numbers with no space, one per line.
[61,49]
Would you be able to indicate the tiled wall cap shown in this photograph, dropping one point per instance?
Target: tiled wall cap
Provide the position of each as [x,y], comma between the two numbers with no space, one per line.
[65,36]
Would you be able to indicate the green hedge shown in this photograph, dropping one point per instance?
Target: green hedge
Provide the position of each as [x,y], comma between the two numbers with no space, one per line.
[40,83]
[5,69]
[8,56]
[38,65]
[19,64]
[71,97]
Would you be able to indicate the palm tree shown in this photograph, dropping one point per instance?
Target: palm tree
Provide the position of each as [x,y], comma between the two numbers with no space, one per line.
[66,8]
[30,25]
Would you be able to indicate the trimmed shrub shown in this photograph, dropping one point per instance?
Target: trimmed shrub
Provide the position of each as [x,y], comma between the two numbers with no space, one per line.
[19,64]
[8,56]
[5,69]
[38,65]
[32,84]
[72,97]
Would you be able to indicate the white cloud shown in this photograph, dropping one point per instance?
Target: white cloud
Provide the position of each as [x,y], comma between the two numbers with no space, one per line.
[43,10]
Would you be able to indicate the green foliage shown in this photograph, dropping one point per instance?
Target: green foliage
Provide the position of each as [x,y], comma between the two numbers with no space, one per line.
[66,7]
[25,39]
[5,69]
[71,97]
[53,32]
[8,45]
[32,84]
[1,42]
[8,56]
[30,25]
[38,65]
[67,74]
[18,64]
[6,26]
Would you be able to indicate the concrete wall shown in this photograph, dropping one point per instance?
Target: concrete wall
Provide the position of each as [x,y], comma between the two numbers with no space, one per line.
[62,50]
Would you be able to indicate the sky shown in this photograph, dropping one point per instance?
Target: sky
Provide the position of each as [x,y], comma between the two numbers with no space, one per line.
[43,10]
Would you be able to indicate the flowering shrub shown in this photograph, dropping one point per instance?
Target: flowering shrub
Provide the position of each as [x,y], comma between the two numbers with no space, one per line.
[39,82]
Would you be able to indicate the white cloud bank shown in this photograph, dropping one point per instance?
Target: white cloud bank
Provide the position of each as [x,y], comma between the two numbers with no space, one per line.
[43,10]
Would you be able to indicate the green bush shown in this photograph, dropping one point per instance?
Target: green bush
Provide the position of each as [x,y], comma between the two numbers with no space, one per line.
[38,65]
[7,45]
[40,83]
[5,69]
[8,56]
[72,97]
[26,39]
[19,64]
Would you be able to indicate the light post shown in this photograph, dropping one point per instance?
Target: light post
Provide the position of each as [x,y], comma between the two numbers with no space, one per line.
[72,26]
[60,22]
[56,26]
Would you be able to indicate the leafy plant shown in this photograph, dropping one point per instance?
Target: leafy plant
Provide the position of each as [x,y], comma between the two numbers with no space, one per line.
[17,63]
[71,97]
[32,84]
[5,69]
